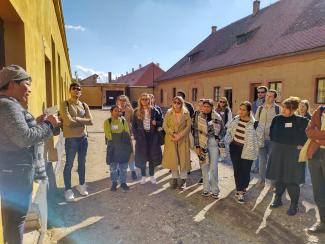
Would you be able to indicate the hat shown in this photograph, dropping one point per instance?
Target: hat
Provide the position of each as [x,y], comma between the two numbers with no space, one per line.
[12,72]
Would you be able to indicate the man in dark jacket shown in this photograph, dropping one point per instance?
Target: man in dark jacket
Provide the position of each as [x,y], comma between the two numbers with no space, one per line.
[19,133]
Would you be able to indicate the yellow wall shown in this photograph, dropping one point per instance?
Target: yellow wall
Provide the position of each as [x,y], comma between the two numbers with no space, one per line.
[297,73]
[31,29]
[92,95]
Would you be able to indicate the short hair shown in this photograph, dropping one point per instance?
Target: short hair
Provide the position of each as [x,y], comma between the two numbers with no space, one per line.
[181,94]
[263,87]
[74,84]
[291,103]
[248,106]
[113,107]
[275,93]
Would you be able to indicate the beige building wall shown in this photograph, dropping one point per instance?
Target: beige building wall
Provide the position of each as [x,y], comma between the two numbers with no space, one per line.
[135,92]
[298,75]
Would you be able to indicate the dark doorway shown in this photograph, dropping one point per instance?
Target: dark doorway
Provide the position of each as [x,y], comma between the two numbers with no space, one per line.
[111,97]
[253,91]
[2,45]
[228,95]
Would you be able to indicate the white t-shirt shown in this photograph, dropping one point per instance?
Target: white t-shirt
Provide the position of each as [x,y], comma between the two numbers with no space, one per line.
[146,120]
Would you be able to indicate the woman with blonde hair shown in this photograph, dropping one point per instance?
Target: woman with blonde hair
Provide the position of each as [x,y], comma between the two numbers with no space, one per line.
[145,126]
[287,134]
[176,157]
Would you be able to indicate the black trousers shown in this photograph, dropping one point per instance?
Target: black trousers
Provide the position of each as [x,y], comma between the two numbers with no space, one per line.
[317,173]
[151,164]
[292,188]
[16,193]
[242,167]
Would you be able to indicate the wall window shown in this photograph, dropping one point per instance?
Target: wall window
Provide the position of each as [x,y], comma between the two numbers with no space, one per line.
[161,95]
[320,91]
[216,93]
[277,85]
[174,92]
[194,94]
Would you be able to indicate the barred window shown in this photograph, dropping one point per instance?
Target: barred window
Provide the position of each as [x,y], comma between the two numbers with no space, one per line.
[320,91]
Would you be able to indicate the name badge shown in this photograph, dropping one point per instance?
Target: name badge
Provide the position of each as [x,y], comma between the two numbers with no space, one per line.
[288,125]
[114,127]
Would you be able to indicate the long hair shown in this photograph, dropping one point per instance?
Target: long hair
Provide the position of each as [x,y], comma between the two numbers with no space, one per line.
[226,104]
[128,103]
[140,110]
[306,103]
[180,99]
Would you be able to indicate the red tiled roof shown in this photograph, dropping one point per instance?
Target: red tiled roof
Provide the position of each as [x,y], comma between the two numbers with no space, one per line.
[144,76]
[285,27]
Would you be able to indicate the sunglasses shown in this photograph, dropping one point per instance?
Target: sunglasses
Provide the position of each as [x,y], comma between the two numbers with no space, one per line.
[76,88]
[261,92]
[178,103]
[222,102]
[144,99]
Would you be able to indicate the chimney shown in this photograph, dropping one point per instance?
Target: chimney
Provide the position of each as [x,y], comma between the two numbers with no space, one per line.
[109,77]
[256,7]
[213,29]
[127,73]
[140,66]
[158,64]
[132,70]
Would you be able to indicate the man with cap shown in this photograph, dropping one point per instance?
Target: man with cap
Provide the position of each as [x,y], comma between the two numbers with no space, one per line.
[19,132]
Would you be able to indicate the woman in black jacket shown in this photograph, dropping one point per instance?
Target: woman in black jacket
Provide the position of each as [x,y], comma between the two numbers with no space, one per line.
[146,126]
[288,135]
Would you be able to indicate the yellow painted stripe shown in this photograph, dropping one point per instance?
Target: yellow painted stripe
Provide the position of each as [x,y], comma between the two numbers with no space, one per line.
[35,189]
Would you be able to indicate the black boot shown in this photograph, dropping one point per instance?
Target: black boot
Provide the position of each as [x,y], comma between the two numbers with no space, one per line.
[293,209]
[114,186]
[277,202]
[182,184]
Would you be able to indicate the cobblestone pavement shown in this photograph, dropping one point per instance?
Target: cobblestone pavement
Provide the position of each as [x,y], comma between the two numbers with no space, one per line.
[156,214]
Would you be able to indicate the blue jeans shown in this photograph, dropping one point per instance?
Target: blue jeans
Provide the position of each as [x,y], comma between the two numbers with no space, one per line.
[72,147]
[118,172]
[16,184]
[132,166]
[210,170]
[264,153]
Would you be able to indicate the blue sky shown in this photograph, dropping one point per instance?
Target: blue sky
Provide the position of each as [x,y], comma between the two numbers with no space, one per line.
[118,35]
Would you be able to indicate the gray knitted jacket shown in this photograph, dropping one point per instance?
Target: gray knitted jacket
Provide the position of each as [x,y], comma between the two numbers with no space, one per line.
[20,135]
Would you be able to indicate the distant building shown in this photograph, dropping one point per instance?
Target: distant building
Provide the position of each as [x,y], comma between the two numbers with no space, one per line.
[281,46]
[131,84]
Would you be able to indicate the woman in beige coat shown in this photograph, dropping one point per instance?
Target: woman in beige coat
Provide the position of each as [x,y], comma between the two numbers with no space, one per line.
[176,157]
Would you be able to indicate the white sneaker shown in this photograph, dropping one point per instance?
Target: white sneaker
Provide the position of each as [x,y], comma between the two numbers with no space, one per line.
[82,189]
[69,196]
[143,180]
[153,180]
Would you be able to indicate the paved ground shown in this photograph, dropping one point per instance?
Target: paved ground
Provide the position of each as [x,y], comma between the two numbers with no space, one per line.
[157,214]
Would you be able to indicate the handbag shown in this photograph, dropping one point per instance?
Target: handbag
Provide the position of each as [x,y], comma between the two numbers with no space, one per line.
[303,152]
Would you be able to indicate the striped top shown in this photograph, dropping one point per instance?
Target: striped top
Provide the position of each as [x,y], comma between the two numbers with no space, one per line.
[239,137]
[146,120]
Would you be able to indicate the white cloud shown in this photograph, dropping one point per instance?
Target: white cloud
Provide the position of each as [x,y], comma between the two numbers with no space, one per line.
[84,72]
[75,27]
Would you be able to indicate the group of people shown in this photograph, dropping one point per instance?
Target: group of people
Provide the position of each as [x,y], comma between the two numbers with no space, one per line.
[265,134]
[273,137]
